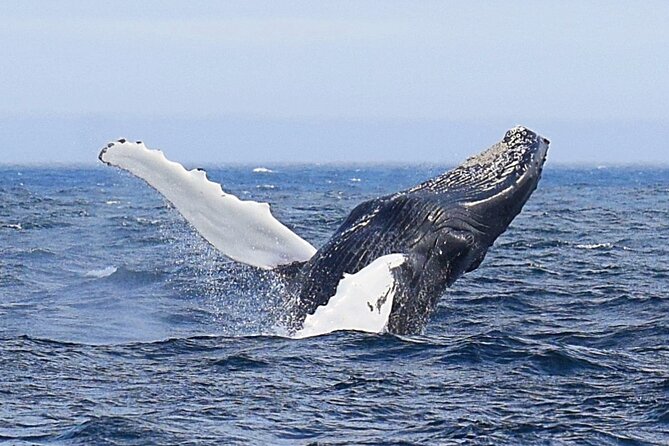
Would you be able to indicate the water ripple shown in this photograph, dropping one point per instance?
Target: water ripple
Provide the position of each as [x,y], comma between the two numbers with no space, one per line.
[118,325]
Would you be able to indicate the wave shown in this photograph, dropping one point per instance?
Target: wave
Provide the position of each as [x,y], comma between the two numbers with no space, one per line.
[30,253]
[100,273]
[392,345]
[109,427]
[595,246]
[125,275]
[145,349]
[239,362]
[48,222]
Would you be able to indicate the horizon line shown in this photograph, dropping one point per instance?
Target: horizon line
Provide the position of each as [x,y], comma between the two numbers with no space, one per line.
[548,166]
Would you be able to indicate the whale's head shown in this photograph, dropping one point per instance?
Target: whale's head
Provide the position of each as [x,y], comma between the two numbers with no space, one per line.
[493,186]
[482,196]
[498,182]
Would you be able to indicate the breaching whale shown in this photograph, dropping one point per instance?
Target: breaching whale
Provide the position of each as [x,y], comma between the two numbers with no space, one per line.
[391,259]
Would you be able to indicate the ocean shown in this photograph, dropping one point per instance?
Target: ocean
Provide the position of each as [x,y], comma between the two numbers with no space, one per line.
[120,326]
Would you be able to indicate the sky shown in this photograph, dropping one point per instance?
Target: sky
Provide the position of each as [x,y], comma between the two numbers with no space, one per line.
[333,81]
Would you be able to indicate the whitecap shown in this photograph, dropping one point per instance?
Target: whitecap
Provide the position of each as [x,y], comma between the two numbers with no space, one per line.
[356,180]
[595,246]
[262,170]
[146,221]
[100,273]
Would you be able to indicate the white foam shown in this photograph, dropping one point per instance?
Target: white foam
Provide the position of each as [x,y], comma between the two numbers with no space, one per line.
[262,170]
[362,301]
[245,231]
[595,246]
[100,273]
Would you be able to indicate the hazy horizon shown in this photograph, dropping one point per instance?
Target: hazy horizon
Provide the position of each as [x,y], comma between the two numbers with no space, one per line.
[334,82]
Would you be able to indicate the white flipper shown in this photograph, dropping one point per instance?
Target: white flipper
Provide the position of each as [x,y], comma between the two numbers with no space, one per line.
[245,231]
[362,301]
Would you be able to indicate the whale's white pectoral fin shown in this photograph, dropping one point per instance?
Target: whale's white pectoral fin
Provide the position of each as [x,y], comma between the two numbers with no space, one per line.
[362,301]
[245,231]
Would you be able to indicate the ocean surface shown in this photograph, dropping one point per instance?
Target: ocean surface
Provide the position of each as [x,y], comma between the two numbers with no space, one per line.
[120,326]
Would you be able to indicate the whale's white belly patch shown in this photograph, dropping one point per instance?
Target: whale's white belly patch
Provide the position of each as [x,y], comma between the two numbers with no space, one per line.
[362,302]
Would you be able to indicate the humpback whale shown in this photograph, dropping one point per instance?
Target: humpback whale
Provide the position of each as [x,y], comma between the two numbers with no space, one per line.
[392,258]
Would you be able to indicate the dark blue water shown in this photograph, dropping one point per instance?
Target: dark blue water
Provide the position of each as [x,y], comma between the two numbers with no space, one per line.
[118,325]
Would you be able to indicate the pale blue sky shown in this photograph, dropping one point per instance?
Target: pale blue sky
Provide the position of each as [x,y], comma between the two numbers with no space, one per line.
[333,81]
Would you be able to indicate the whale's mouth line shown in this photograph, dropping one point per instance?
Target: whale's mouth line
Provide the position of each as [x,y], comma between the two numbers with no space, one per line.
[531,167]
